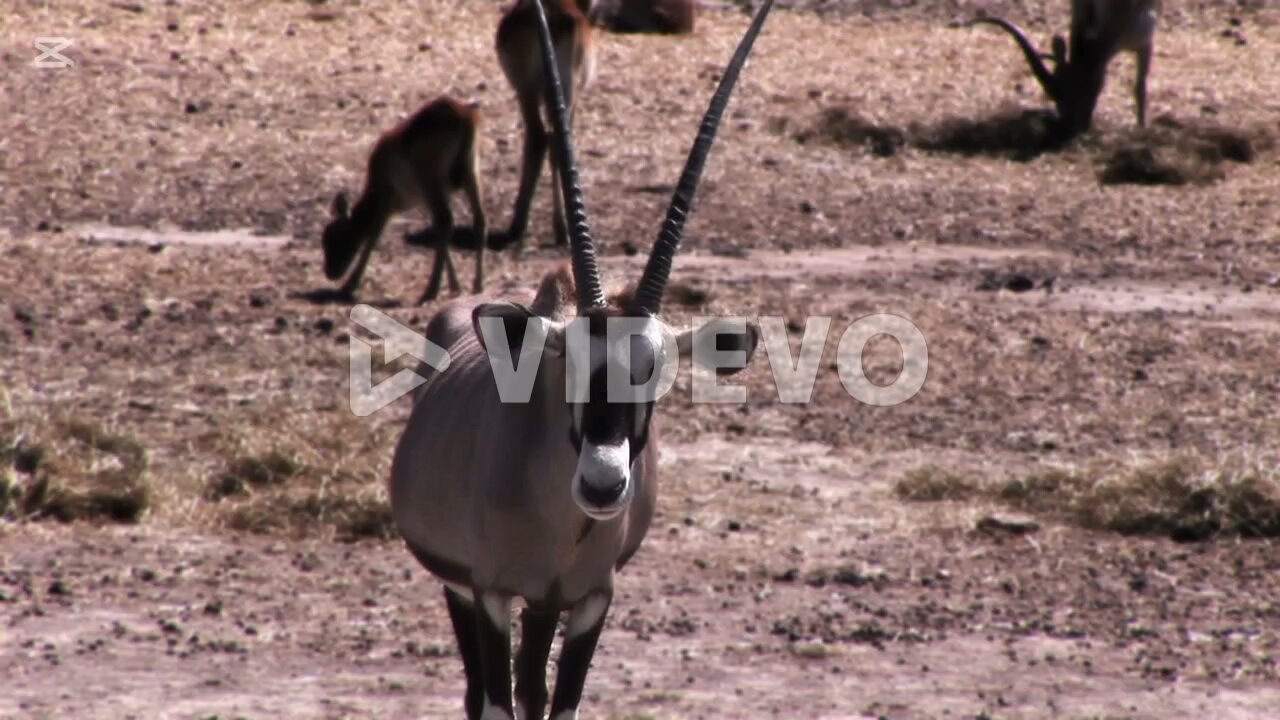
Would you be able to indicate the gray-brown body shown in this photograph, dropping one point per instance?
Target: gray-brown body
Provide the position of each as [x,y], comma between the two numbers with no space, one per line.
[481,488]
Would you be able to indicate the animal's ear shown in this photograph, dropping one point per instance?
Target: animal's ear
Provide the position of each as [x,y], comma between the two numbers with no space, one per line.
[508,323]
[340,208]
[725,345]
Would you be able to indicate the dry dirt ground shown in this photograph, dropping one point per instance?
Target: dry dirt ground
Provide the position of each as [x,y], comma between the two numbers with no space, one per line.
[167,387]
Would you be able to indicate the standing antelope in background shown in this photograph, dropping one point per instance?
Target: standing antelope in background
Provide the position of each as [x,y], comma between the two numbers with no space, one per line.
[418,163]
[544,499]
[1100,29]
[521,61]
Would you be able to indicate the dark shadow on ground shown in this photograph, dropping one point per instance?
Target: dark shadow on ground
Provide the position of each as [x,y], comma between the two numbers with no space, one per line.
[845,128]
[1171,151]
[335,296]
[1016,134]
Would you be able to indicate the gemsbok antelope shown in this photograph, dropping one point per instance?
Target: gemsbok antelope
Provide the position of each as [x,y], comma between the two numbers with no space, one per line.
[666,17]
[1100,29]
[521,61]
[419,163]
[544,499]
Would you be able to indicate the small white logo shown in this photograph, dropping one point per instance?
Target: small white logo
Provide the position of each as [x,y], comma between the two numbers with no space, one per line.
[51,53]
[368,398]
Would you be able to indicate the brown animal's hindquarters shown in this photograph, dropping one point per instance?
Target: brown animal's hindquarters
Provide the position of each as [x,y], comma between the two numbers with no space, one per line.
[519,56]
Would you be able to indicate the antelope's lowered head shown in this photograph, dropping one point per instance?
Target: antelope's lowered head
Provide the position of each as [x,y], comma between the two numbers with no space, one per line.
[1100,29]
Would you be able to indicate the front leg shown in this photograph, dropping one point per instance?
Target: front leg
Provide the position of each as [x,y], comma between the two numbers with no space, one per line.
[586,620]
[493,633]
[538,630]
[462,614]
[534,155]
[479,225]
[442,232]
[348,289]
[1140,84]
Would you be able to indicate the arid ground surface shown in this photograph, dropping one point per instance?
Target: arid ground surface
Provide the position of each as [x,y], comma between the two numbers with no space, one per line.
[195,525]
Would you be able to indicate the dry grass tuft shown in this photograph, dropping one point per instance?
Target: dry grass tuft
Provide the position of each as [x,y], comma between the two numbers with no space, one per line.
[688,295]
[243,473]
[1016,133]
[350,516]
[320,474]
[1172,152]
[932,483]
[1143,165]
[1184,497]
[842,127]
[72,469]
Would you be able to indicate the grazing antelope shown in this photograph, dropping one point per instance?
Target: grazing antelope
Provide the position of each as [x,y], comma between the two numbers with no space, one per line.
[1100,29]
[544,498]
[420,162]
[521,61]
[669,17]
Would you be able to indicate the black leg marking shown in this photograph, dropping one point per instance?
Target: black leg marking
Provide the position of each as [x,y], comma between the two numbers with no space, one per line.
[538,630]
[493,623]
[462,613]
[586,620]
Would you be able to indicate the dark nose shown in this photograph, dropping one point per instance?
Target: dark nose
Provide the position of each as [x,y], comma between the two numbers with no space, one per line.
[602,496]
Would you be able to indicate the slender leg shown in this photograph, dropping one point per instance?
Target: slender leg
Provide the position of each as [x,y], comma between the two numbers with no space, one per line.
[493,626]
[462,613]
[442,215]
[1140,84]
[478,223]
[538,630]
[586,620]
[535,153]
[558,225]
[353,280]
[564,62]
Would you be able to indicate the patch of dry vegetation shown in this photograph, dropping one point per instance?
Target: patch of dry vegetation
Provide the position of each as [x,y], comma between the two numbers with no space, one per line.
[1185,497]
[1172,152]
[933,483]
[319,474]
[1169,152]
[71,468]
[274,470]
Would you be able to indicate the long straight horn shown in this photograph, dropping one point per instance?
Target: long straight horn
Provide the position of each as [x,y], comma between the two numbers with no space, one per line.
[654,281]
[586,275]
[1033,56]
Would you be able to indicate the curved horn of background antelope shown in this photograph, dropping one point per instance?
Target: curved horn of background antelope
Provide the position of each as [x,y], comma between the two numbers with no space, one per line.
[1043,76]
